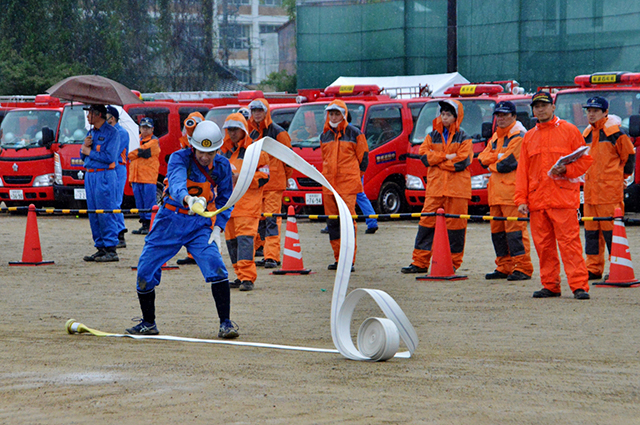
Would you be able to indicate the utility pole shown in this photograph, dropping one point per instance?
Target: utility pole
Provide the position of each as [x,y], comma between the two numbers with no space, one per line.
[452,36]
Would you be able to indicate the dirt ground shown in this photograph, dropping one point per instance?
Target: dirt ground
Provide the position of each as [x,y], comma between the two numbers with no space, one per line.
[488,352]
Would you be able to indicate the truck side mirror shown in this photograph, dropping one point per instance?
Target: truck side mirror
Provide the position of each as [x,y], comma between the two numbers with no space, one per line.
[487,130]
[634,126]
[47,137]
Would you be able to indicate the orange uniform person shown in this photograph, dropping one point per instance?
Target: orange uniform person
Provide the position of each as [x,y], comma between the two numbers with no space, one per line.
[261,125]
[551,194]
[510,238]
[243,224]
[613,161]
[143,173]
[447,152]
[345,157]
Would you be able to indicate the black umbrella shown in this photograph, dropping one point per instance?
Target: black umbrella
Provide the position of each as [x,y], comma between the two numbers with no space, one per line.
[93,89]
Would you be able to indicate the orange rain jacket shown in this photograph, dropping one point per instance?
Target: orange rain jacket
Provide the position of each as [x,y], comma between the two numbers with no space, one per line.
[345,155]
[189,125]
[250,205]
[448,177]
[280,172]
[614,161]
[542,146]
[501,158]
[145,170]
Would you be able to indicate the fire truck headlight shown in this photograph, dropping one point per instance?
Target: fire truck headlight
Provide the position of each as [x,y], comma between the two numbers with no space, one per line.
[291,184]
[414,182]
[480,181]
[43,180]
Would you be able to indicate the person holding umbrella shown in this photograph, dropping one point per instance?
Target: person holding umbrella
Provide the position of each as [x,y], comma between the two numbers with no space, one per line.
[100,154]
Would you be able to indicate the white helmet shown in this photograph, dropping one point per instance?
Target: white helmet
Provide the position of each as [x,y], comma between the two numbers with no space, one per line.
[207,137]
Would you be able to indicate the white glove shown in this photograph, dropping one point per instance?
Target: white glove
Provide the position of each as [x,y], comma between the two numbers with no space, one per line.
[191,200]
[215,237]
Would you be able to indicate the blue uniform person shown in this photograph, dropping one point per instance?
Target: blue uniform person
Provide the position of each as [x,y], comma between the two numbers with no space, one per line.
[196,175]
[113,116]
[100,152]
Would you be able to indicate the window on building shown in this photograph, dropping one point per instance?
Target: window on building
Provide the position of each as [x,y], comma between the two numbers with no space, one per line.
[268,28]
[237,36]
[272,3]
[240,2]
[242,74]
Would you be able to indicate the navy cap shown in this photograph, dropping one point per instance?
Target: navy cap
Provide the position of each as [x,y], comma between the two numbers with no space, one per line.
[146,122]
[506,107]
[101,109]
[597,102]
[541,96]
[113,112]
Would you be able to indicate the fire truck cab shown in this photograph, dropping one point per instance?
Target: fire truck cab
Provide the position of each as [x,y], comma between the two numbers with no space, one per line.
[478,102]
[622,91]
[27,150]
[386,123]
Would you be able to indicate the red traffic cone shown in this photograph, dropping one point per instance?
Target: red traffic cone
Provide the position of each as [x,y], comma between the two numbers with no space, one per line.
[441,262]
[292,255]
[155,209]
[31,254]
[621,270]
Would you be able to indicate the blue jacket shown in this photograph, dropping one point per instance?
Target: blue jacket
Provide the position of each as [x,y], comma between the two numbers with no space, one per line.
[124,144]
[182,169]
[105,147]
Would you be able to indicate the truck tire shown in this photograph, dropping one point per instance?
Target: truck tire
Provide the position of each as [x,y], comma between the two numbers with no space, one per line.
[159,192]
[391,198]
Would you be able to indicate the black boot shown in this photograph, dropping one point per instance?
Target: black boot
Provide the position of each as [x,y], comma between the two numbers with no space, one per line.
[109,255]
[121,242]
[144,230]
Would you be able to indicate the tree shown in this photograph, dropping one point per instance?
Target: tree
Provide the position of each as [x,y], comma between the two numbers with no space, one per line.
[280,81]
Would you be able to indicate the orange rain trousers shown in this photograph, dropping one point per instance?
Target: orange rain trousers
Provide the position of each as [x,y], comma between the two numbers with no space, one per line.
[331,208]
[456,230]
[561,225]
[510,241]
[239,233]
[597,234]
[268,234]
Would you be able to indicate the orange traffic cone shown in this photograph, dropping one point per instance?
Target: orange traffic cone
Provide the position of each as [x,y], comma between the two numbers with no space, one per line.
[441,262]
[31,254]
[155,209]
[621,270]
[292,256]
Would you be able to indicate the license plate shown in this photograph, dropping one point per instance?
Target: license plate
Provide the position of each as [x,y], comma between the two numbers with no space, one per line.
[581,197]
[16,195]
[313,198]
[79,194]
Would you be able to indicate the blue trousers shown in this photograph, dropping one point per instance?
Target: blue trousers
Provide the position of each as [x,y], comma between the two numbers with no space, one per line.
[101,187]
[171,231]
[145,194]
[121,172]
[367,209]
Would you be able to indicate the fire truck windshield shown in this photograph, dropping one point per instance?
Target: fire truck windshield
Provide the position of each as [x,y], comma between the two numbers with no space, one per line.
[475,113]
[74,125]
[23,128]
[218,115]
[308,123]
[622,103]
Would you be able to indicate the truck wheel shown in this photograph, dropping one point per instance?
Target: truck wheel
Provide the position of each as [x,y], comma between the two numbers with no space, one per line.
[391,198]
[159,191]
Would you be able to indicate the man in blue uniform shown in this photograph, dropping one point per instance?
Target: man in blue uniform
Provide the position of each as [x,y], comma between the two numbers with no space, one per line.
[113,116]
[196,175]
[100,154]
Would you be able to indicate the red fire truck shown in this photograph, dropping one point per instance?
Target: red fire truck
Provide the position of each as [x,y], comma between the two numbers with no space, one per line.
[26,151]
[386,123]
[478,101]
[168,115]
[622,90]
